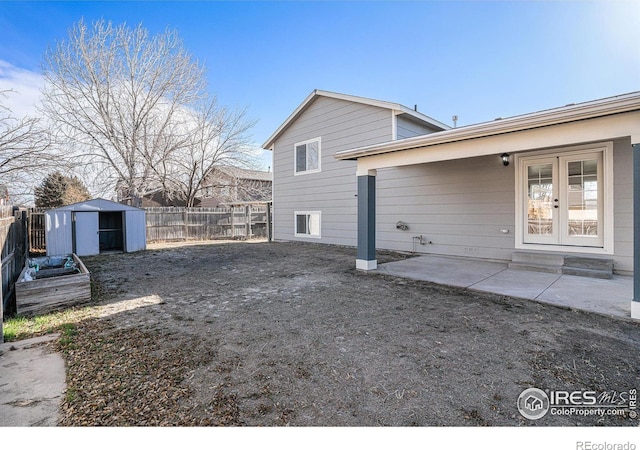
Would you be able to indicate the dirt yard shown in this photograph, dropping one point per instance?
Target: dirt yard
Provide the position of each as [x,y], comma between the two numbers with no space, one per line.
[272,334]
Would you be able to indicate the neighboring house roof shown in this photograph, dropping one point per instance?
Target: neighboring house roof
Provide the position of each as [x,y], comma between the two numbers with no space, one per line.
[350,98]
[569,113]
[246,174]
[97,204]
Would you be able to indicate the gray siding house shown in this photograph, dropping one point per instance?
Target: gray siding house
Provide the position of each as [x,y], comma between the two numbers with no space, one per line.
[539,187]
[314,194]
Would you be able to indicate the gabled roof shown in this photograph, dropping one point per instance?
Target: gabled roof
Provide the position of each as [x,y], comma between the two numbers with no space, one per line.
[246,174]
[350,98]
[97,204]
[569,113]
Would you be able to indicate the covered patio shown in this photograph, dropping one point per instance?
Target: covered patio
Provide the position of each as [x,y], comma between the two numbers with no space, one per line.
[544,149]
[609,297]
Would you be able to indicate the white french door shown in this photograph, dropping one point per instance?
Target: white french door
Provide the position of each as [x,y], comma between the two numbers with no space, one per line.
[563,199]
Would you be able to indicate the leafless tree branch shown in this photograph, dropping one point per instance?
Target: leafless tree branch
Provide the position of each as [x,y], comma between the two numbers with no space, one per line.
[216,136]
[27,152]
[116,95]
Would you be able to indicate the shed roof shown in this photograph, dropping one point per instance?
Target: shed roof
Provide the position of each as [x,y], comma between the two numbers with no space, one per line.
[351,98]
[96,204]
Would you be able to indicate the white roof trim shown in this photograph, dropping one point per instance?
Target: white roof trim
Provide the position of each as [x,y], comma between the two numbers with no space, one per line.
[96,204]
[570,113]
[396,107]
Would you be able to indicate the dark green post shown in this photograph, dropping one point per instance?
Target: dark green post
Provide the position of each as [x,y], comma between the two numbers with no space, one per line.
[366,259]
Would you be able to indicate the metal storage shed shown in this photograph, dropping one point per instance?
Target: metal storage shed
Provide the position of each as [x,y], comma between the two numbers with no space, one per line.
[93,227]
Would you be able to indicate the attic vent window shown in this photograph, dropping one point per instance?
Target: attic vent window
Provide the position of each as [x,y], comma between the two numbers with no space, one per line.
[307,156]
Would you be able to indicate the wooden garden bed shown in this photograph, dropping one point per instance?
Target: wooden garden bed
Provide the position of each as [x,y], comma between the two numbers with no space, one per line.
[52,289]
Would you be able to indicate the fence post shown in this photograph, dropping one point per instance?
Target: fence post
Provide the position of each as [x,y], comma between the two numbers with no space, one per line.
[1,311]
[185,217]
[269,221]
[23,253]
[25,223]
[247,216]
[233,227]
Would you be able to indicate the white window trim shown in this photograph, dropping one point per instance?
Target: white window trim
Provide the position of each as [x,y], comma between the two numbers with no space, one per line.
[295,157]
[607,170]
[303,235]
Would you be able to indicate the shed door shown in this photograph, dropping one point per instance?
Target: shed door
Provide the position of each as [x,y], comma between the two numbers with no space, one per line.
[85,225]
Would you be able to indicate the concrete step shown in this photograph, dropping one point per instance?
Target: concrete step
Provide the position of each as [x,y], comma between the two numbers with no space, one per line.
[537,261]
[584,266]
[588,262]
[538,258]
[535,267]
[587,273]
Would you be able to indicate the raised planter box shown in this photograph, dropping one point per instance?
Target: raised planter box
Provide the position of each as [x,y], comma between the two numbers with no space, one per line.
[53,288]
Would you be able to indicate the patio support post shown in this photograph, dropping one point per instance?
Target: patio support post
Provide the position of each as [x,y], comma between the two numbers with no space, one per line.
[366,259]
[635,303]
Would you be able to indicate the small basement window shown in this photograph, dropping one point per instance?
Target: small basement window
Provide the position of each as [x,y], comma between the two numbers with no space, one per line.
[307,156]
[307,224]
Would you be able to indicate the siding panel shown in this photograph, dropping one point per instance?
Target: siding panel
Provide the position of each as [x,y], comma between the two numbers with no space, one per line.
[341,125]
[409,128]
[461,207]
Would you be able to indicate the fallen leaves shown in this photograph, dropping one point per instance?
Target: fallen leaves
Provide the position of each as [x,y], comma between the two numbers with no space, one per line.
[130,377]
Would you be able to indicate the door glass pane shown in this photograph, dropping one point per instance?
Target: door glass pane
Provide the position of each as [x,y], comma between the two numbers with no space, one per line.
[582,201]
[540,199]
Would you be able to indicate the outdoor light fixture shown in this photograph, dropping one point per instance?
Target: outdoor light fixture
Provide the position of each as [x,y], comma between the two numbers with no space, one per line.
[505,159]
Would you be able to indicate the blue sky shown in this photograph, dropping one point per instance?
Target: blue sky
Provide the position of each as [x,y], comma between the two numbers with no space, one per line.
[477,60]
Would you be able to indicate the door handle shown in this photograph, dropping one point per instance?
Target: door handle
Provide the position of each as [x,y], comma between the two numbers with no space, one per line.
[555,200]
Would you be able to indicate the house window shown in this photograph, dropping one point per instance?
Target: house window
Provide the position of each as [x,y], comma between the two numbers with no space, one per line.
[307,224]
[307,156]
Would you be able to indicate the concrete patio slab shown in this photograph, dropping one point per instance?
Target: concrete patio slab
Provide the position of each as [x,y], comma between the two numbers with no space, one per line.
[518,283]
[443,270]
[610,297]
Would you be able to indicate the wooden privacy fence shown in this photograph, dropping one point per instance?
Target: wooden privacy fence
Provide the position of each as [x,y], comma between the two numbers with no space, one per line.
[14,253]
[181,224]
[234,222]
[36,231]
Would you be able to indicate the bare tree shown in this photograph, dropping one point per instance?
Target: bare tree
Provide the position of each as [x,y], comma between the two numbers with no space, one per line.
[26,152]
[217,136]
[116,96]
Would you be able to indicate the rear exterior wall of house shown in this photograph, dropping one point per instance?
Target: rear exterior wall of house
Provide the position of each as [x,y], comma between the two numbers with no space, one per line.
[331,191]
[463,207]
